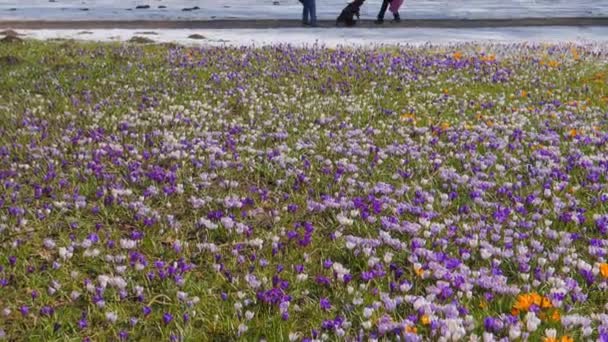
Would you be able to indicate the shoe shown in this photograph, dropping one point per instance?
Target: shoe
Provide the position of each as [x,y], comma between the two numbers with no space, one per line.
[397,19]
[305,23]
[379,21]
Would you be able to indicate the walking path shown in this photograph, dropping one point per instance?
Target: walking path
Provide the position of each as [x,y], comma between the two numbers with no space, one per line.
[126,10]
[284,23]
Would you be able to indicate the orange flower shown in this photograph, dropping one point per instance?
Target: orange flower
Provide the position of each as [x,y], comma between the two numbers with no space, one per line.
[483,304]
[573,133]
[408,117]
[540,301]
[538,147]
[555,316]
[445,126]
[419,271]
[425,320]
[564,338]
[190,55]
[457,55]
[411,329]
[574,54]
[515,312]
[604,270]
[524,301]
[533,298]
[553,64]
[524,93]
[488,58]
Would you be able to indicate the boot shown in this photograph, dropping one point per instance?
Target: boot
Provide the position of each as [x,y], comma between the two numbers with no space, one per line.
[397,18]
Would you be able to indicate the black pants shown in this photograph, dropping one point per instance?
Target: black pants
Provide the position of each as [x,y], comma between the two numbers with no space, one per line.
[383,9]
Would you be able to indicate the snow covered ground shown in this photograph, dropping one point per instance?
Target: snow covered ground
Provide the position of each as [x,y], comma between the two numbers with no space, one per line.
[335,37]
[284,9]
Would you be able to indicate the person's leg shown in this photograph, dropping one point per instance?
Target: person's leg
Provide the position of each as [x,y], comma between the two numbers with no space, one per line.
[313,12]
[396,17]
[382,11]
[394,8]
[305,12]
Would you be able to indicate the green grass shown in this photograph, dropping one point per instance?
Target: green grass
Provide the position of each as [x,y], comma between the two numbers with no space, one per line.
[60,88]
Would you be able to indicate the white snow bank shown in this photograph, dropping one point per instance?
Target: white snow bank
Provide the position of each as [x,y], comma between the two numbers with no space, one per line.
[285,9]
[336,37]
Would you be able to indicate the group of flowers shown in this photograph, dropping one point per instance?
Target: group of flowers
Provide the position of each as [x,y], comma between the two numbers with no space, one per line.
[311,194]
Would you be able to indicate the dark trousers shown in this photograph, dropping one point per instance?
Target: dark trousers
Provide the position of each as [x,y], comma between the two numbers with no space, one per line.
[309,10]
[383,9]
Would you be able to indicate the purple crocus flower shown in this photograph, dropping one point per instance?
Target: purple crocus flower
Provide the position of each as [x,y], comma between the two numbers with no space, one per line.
[167,318]
[46,311]
[83,323]
[325,304]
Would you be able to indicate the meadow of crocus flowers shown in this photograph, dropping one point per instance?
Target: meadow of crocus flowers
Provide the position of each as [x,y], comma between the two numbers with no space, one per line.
[307,194]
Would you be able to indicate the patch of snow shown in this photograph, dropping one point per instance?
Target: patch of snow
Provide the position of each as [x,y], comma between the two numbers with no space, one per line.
[290,9]
[343,37]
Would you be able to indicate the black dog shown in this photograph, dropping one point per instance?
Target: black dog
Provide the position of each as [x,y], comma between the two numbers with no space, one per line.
[349,12]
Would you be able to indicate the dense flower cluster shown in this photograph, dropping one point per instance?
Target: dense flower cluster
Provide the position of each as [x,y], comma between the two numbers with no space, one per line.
[448,194]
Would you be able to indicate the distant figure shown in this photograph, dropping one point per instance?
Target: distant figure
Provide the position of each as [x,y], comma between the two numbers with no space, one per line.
[309,10]
[395,4]
[349,12]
